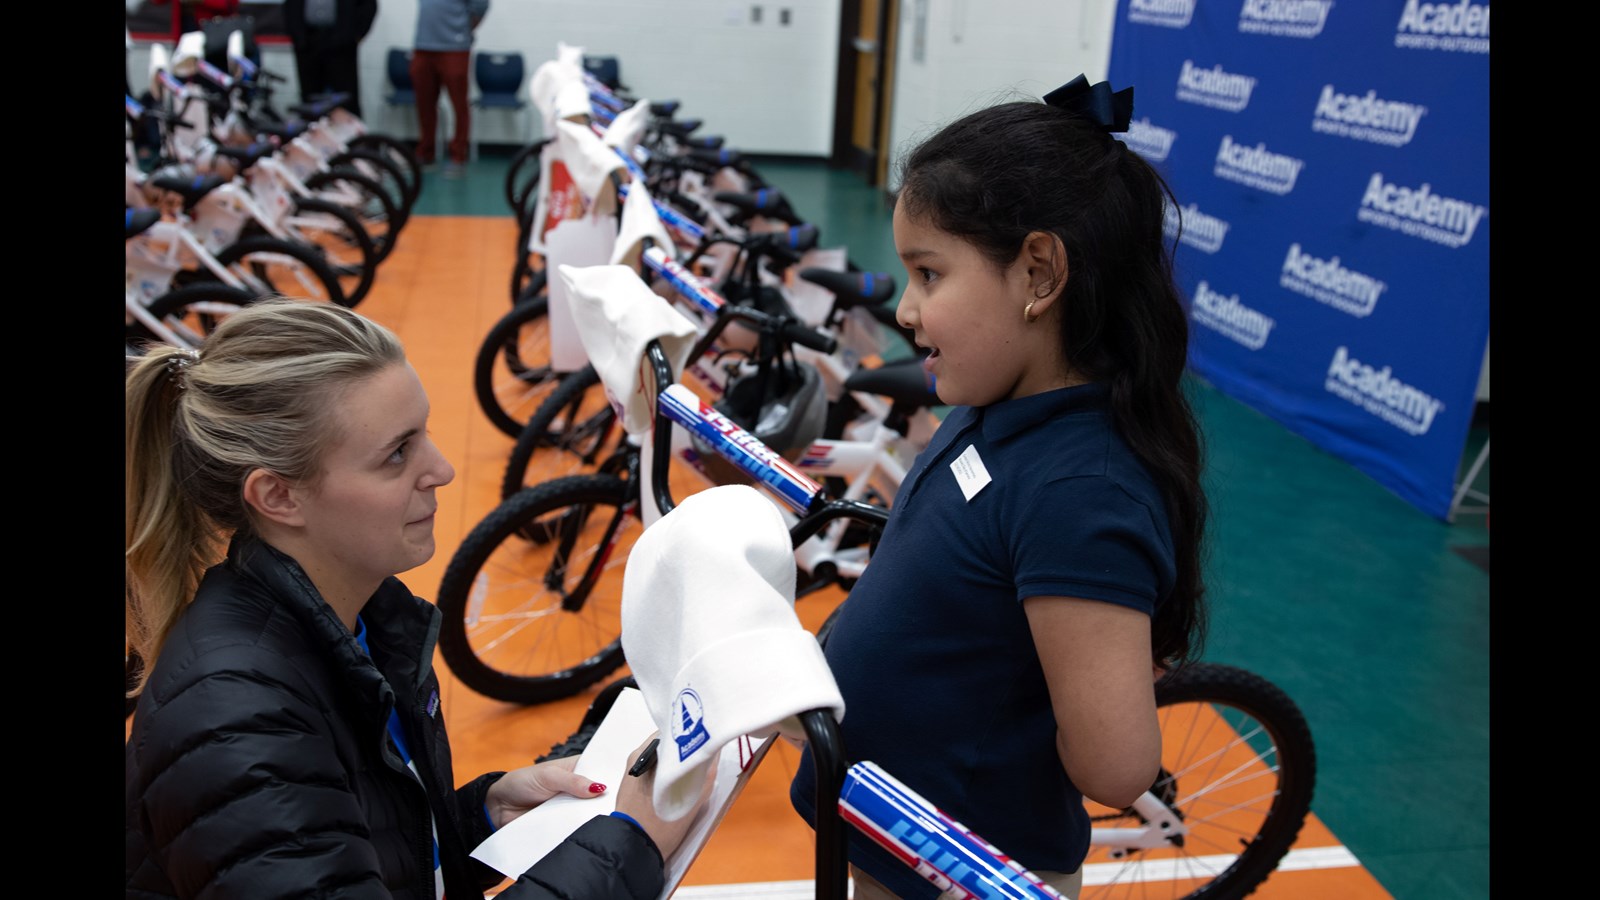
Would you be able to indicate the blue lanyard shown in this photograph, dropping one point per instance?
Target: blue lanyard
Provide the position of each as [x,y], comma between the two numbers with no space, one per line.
[396,733]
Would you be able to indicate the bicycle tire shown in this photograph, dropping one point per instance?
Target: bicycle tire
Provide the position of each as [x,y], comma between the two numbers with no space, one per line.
[381,169]
[528,273]
[511,374]
[364,197]
[575,427]
[522,176]
[286,268]
[344,244]
[507,631]
[397,152]
[192,311]
[1239,766]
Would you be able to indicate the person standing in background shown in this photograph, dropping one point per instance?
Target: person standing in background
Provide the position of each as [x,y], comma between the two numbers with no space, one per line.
[442,51]
[325,35]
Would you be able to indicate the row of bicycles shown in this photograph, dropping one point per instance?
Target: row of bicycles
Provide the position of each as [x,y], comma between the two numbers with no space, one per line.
[236,200]
[714,342]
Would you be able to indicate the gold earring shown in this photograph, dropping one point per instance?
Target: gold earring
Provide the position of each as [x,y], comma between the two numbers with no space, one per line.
[1027,312]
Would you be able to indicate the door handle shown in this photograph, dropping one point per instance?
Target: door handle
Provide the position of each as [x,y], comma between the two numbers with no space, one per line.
[866,45]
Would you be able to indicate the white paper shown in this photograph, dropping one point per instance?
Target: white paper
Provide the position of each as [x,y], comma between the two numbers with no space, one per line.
[971,473]
[526,839]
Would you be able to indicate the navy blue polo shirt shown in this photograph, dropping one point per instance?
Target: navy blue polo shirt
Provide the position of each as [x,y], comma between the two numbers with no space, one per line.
[932,651]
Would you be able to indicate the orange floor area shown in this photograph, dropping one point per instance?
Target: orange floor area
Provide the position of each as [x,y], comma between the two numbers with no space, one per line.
[443,288]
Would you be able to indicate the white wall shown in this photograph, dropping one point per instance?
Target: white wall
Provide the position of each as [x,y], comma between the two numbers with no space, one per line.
[975,53]
[765,87]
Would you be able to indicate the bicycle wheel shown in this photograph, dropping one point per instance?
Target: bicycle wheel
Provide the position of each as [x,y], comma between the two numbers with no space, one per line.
[379,168]
[530,622]
[572,432]
[344,244]
[190,313]
[528,273]
[511,374]
[272,266]
[522,177]
[1237,767]
[364,197]
[397,152]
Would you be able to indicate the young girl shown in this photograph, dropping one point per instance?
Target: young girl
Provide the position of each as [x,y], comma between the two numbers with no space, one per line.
[1043,554]
[288,739]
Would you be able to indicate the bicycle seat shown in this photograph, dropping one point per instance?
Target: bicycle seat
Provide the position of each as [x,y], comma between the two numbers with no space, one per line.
[681,128]
[287,131]
[320,106]
[852,289]
[709,142]
[191,187]
[904,382]
[140,220]
[247,156]
[313,110]
[663,108]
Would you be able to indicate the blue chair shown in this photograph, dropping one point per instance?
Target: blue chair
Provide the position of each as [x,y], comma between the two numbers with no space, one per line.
[401,91]
[499,77]
[608,69]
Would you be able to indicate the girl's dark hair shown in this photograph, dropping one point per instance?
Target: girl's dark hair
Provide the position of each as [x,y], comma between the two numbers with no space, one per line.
[1002,173]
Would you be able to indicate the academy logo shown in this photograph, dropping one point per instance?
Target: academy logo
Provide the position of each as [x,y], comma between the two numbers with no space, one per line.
[1378,392]
[1459,27]
[1284,18]
[1420,212]
[1214,87]
[688,723]
[1149,141]
[1166,13]
[1198,230]
[1257,167]
[1232,319]
[1326,281]
[1366,118]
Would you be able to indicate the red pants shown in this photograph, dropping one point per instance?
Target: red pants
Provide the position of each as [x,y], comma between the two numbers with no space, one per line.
[430,70]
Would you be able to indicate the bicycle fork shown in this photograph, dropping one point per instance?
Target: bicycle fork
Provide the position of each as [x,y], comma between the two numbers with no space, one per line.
[1163,826]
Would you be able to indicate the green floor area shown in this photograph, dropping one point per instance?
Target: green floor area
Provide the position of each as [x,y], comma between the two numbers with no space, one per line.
[1373,616]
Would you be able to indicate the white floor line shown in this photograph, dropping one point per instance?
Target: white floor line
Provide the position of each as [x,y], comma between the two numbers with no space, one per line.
[1097,873]
[765,890]
[1187,867]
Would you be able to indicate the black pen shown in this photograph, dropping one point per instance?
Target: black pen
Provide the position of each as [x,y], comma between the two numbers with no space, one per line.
[646,759]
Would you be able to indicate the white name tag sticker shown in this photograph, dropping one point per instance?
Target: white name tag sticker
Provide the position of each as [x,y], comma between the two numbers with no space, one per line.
[970,472]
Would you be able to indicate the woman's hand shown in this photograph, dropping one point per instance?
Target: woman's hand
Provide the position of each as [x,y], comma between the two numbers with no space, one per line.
[633,799]
[522,789]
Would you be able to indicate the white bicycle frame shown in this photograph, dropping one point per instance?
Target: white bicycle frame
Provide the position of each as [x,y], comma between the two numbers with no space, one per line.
[153,258]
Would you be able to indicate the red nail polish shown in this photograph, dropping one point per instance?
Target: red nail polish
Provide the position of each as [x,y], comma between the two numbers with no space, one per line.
[597,788]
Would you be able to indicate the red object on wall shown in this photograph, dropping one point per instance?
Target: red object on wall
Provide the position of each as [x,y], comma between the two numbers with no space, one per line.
[146,23]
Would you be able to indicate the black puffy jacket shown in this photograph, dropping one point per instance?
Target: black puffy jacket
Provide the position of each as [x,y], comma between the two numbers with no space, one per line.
[259,763]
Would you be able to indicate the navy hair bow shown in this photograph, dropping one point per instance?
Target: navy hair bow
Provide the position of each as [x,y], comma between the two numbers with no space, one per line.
[1111,111]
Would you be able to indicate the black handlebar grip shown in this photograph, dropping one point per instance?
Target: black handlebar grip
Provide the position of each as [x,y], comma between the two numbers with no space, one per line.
[806,336]
[687,208]
[721,157]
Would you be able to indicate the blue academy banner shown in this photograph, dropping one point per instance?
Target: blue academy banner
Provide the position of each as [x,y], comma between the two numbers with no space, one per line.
[1331,165]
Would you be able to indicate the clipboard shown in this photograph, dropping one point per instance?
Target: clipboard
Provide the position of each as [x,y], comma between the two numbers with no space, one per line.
[526,839]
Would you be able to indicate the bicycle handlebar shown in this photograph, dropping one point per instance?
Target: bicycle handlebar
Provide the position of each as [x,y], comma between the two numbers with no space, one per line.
[684,281]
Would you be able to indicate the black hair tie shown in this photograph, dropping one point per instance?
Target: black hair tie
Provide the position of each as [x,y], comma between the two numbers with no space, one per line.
[1097,103]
